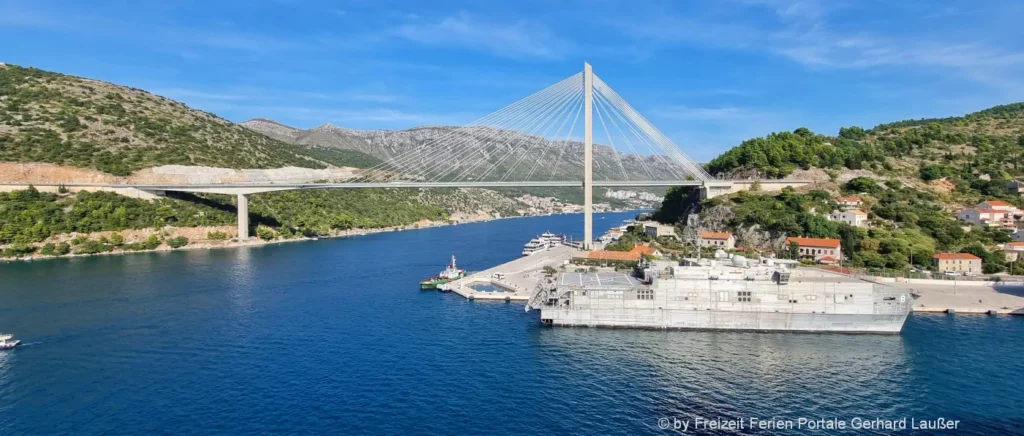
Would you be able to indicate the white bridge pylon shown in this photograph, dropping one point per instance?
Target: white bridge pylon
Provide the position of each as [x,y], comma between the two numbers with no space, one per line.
[535,140]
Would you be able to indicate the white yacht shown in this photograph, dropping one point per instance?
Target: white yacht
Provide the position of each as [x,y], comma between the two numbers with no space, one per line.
[551,239]
[7,342]
[534,246]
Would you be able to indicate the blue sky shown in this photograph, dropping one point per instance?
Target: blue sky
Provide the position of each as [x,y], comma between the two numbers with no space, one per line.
[707,74]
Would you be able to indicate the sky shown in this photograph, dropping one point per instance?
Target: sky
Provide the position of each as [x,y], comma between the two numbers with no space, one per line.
[708,74]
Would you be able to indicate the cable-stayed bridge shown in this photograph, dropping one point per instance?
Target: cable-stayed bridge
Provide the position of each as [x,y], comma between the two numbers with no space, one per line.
[547,139]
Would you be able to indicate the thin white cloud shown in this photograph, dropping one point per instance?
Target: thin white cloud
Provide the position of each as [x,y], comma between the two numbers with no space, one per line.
[706,114]
[801,32]
[521,39]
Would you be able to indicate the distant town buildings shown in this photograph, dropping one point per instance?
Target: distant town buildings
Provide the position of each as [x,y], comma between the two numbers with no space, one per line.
[724,240]
[545,205]
[853,217]
[991,213]
[964,263]
[817,248]
[847,203]
[625,195]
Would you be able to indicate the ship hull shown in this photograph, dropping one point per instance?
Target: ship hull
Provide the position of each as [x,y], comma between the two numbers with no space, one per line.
[727,320]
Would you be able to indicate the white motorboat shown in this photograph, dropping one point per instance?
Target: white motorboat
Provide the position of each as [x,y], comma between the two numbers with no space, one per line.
[7,342]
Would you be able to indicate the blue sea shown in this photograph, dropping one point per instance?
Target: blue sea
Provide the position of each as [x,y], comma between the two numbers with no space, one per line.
[334,337]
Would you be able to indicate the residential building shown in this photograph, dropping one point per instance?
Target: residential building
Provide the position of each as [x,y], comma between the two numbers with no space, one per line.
[849,202]
[723,240]
[999,205]
[853,217]
[656,230]
[1014,251]
[991,213]
[964,263]
[817,248]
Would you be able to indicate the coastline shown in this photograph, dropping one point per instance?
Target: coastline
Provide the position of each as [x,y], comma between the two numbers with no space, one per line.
[256,242]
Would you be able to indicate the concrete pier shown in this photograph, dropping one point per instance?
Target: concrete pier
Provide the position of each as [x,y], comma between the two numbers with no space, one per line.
[243,217]
[958,296]
[520,277]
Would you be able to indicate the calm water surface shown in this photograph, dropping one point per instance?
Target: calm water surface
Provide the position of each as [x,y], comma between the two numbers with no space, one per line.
[334,337]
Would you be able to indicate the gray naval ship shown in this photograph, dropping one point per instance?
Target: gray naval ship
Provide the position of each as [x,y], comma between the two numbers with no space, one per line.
[722,294]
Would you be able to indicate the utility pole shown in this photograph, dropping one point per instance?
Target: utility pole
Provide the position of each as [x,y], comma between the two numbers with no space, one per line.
[588,156]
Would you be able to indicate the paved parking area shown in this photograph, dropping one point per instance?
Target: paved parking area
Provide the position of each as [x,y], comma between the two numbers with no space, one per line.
[606,279]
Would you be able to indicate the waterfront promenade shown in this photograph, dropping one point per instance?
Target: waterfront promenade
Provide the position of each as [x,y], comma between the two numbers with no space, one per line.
[518,277]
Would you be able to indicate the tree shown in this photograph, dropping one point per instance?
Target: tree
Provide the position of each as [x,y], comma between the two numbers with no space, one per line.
[794,250]
[116,239]
[177,242]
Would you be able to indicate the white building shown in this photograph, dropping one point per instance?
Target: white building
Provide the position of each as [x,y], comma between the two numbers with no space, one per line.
[724,240]
[991,213]
[853,217]
[849,202]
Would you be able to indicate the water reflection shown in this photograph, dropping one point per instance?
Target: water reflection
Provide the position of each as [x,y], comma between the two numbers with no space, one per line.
[742,374]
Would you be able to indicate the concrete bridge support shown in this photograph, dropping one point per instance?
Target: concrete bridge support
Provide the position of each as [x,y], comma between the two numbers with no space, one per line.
[588,157]
[243,217]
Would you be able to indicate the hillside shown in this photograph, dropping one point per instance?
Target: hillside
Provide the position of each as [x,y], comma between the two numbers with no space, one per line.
[988,142]
[911,175]
[387,144]
[67,120]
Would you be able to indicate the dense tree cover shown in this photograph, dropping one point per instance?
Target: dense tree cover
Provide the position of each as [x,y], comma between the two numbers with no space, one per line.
[318,212]
[68,120]
[989,142]
[31,216]
[778,154]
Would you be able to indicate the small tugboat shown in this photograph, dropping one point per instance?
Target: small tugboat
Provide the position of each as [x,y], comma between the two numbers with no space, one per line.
[7,342]
[450,273]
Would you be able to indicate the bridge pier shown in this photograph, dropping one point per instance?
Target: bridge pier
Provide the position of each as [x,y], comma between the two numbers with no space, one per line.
[588,157]
[243,217]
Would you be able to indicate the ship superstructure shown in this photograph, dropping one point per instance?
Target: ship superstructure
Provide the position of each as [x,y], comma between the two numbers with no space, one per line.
[725,294]
[543,242]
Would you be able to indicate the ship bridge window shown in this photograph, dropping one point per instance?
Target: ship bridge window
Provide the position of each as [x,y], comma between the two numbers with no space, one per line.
[645,294]
[743,296]
[810,297]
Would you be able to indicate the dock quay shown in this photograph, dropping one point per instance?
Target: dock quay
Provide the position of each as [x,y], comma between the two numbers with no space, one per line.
[960,296]
[514,280]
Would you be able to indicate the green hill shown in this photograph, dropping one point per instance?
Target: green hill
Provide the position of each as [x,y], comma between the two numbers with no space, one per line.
[68,120]
[914,175]
[988,142]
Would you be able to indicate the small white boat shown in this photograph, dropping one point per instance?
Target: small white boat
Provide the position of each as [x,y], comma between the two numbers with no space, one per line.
[7,342]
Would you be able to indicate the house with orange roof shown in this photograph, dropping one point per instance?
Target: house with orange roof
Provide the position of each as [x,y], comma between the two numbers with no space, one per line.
[645,250]
[828,260]
[991,213]
[849,202]
[723,240]
[964,263]
[817,248]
